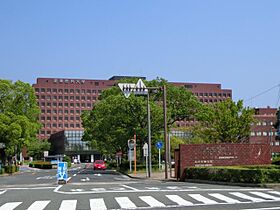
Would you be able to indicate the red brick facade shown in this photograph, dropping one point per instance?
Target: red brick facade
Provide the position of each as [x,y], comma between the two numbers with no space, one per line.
[221,155]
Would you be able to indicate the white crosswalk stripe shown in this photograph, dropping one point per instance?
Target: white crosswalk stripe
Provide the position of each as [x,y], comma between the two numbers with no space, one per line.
[125,203]
[68,205]
[97,204]
[264,195]
[224,198]
[151,201]
[38,205]
[128,203]
[180,201]
[10,205]
[202,199]
[247,197]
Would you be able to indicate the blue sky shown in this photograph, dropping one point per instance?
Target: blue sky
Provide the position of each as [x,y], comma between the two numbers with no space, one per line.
[234,42]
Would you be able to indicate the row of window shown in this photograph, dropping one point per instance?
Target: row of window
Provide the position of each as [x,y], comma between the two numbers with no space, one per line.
[55,104]
[210,100]
[43,118]
[71,98]
[264,123]
[264,133]
[61,125]
[55,90]
[213,94]
[61,111]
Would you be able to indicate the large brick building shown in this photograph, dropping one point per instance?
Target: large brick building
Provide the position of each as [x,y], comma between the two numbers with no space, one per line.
[62,100]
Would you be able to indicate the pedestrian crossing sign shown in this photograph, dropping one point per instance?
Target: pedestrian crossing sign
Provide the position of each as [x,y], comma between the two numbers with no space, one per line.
[62,171]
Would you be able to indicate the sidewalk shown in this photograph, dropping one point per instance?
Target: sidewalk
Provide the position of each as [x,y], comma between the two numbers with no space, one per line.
[155,175]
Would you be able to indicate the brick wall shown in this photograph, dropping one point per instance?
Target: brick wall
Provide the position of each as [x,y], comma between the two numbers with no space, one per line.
[222,155]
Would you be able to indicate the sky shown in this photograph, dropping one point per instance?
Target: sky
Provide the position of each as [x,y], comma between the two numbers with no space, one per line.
[235,43]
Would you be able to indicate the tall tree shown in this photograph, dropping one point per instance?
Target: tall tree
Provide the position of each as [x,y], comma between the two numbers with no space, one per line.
[19,114]
[114,118]
[225,121]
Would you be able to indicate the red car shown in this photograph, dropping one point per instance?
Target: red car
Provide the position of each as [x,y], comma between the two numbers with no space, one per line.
[99,164]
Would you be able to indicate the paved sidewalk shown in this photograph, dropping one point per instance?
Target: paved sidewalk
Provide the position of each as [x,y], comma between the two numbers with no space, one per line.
[157,175]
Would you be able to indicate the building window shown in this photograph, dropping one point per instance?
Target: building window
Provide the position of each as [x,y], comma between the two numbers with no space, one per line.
[94,98]
[60,91]
[71,125]
[72,98]
[83,91]
[54,111]
[88,105]
[66,118]
[49,111]
[71,111]
[54,90]
[77,125]
[66,90]
[77,97]
[264,133]
[78,111]
[259,133]
[60,104]
[42,118]
[96,83]
[77,91]
[66,104]
[88,91]
[43,90]
[77,118]
[60,125]
[54,118]
[36,89]
[77,105]
[60,97]
[43,104]
[66,125]
[264,123]
[60,118]
[66,111]
[54,125]
[54,97]
[71,90]
[66,98]
[83,98]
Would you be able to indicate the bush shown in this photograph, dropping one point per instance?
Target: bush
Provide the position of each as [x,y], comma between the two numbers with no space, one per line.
[40,164]
[68,160]
[251,174]
[11,169]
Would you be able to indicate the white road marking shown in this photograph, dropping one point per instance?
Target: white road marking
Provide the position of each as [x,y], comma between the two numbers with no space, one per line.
[98,189]
[46,177]
[97,174]
[97,204]
[173,188]
[151,201]
[117,188]
[67,180]
[57,188]
[132,188]
[152,188]
[180,201]
[270,208]
[247,197]
[75,175]
[202,199]
[264,195]
[274,192]
[2,192]
[10,206]
[224,198]
[38,205]
[125,203]
[68,205]
[77,190]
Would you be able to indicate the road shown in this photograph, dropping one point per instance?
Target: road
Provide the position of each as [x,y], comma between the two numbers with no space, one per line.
[89,189]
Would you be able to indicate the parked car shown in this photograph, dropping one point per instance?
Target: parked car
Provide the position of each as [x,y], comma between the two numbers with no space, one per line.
[99,164]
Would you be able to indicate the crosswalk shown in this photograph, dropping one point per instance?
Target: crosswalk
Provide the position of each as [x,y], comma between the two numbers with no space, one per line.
[149,201]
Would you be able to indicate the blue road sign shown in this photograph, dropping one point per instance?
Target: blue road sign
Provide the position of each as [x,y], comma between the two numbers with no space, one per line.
[159,145]
[62,171]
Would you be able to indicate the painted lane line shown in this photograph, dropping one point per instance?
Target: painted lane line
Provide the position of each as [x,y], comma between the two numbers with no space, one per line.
[38,205]
[2,192]
[151,201]
[57,188]
[224,198]
[125,203]
[202,199]
[29,188]
[264,195]
[247,197]
[68,205]
[270,208]
[10,206]
[180,201]
[75,175]
[132,188]
[97,204]
[98,189]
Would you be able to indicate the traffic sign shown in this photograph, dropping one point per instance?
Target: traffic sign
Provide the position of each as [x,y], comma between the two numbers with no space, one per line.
[131,143]
[62,171]
[145,149]
[159,145]
[138,89]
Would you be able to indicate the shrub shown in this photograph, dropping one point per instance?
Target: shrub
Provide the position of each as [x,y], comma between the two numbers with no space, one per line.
[251,174]
[68,160]
[11,169]
[40,164]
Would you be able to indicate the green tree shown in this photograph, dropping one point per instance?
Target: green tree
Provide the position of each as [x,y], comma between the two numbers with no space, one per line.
[225,121]
[37,147]
[19,114]
[114,118]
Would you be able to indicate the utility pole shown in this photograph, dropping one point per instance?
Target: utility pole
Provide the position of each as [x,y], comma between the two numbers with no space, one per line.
[165,132]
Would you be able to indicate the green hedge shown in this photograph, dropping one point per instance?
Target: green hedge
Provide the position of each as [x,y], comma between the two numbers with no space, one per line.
[41,165]
[250,174]
[11,169]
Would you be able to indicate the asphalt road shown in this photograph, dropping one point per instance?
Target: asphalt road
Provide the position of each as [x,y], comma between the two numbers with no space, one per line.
[89,189]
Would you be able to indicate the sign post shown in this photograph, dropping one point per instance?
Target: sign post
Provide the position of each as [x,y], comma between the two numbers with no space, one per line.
[145,153]
[159,146]
[130,144]
[62,172]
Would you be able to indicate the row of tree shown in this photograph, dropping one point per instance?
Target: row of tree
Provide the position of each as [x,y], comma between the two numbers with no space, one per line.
[19,114]
[114,119]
